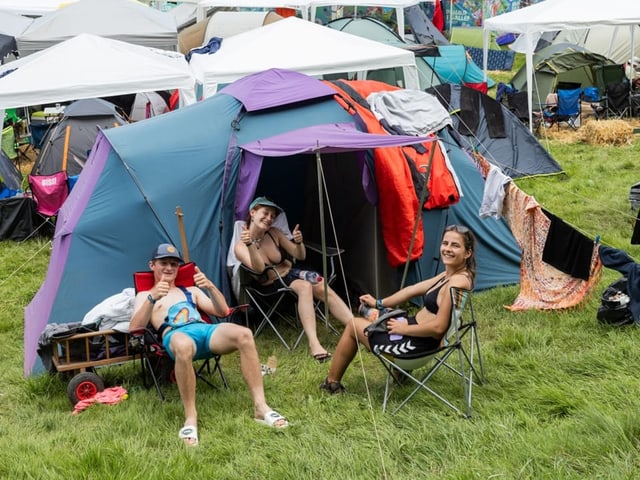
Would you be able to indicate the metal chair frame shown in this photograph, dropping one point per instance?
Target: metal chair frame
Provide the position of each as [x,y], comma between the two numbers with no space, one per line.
[461,338]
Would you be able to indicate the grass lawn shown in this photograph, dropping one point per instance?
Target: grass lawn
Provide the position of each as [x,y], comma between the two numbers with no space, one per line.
[560,402]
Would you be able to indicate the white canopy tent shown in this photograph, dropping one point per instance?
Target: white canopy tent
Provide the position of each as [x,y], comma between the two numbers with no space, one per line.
[553,15]
[123,20]
[299,45]
[307,8]
[33,8]
[93,67]
[613,42]
[13,24]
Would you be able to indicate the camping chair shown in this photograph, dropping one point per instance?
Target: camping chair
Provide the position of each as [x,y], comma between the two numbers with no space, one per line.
[155,361]
[569,108]
[49,192]
[269,304]
[461,338]
[616,101]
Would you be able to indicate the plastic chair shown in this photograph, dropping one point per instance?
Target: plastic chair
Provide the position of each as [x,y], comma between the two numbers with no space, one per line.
[461,338]
[270,303]
[155,361]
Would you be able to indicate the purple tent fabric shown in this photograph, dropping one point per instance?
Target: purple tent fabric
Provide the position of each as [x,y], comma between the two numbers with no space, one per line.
[40,307]
[276,87]
[325,138]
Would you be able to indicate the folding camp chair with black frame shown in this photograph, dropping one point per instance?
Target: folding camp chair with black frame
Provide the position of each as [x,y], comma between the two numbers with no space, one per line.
[267,302]
[461,337]
[568,110]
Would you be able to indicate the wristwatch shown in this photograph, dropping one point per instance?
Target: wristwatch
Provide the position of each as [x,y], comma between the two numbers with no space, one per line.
[151,299]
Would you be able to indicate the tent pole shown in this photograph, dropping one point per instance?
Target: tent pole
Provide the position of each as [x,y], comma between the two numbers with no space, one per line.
[323,238]
[423,197]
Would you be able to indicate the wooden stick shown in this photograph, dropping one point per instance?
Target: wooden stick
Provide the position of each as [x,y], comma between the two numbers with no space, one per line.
[65,151]
[183,236]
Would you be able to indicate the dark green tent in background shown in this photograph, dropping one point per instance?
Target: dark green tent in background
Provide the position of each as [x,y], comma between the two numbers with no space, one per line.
[566,63]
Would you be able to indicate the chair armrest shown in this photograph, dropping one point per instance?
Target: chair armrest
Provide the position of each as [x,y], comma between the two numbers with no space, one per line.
[238,308]
[252,274]
[331,251]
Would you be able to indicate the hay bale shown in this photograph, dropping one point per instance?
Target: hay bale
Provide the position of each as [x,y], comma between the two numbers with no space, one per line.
[607,132]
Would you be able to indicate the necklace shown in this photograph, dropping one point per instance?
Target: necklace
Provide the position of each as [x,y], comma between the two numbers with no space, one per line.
[257,242]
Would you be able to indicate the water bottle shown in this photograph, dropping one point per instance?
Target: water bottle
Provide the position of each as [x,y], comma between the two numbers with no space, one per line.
[309,275]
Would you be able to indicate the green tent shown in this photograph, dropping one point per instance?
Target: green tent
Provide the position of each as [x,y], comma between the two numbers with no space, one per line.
[562,63]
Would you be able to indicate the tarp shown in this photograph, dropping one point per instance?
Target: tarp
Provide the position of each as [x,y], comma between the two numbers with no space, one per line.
[552,15]
[123,20]
[298,45]
[123,204]
[93,67]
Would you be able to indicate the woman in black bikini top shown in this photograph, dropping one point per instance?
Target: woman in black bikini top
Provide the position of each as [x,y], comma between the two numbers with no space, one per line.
[427,328]
[430,299]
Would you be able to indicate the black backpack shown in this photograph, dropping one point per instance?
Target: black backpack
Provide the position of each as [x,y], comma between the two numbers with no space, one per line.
[614,308]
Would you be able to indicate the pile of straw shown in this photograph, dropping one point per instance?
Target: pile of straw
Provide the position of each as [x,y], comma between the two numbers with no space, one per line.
[607,132]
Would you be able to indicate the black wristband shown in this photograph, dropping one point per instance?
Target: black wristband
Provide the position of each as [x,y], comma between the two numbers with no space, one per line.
[151,299]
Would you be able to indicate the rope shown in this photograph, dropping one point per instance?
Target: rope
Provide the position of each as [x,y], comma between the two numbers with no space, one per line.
[44,245]
[322,182]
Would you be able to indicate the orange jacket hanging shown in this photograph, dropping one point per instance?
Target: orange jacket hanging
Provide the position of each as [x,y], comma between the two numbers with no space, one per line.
[397,192]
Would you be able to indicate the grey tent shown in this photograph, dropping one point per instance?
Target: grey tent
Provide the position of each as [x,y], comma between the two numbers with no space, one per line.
[79,128]
[484,125]
[9,173]
[122,20]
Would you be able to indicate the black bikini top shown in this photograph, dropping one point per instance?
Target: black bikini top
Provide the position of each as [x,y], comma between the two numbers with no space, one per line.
[430,299]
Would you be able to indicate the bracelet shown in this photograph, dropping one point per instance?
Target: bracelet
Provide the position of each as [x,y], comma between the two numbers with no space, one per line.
[152,301]
[379,304]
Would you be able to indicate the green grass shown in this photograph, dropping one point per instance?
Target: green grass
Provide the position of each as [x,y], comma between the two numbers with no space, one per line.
[561,399]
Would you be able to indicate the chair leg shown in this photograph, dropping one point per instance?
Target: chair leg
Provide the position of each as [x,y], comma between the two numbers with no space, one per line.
[146,366]
[206,365]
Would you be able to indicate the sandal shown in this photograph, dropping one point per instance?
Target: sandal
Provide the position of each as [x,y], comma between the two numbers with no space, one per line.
[322,357]
[332,387]
[399,377]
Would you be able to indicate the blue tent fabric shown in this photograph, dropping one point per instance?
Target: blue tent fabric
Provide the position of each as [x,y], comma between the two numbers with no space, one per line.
[455,66]
[123,204]
[497,253]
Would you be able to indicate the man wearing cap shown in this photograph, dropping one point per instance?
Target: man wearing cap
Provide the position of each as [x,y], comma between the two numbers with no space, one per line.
[173,312]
